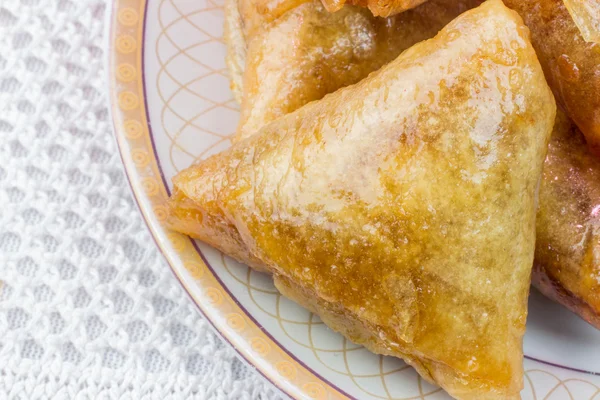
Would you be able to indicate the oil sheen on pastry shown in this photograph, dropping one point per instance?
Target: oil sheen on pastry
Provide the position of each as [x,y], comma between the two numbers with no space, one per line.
[309,52]
[571,65]
[272,9]
[567,256]
[400,209]
[567,267]
[379,8]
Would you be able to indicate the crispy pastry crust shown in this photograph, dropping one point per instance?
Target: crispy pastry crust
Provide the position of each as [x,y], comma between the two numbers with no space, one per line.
[401,208]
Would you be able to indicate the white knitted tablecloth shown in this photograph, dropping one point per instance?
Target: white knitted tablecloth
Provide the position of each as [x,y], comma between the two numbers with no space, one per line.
[89,309]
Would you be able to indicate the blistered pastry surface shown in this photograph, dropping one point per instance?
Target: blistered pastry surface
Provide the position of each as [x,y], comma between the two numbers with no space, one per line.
[407,200]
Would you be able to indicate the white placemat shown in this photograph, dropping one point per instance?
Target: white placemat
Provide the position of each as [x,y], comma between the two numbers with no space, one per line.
[88,307]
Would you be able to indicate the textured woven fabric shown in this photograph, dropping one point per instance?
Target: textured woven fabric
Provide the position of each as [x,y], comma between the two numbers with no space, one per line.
[88,307]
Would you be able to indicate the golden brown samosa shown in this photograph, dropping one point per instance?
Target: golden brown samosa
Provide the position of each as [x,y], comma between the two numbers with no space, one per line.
[571,65]
[308,52]
[400,209]
[563,272]
[567,257]
[379,8]
[268,10]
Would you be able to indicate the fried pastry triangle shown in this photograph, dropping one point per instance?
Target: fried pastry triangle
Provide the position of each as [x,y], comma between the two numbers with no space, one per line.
[567,255]
[268,10]
[571,64]
[379,8]
[309,52]
[400,209]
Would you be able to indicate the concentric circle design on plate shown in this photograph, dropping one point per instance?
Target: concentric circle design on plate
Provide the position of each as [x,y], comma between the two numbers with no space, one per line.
[126,44]
[126,73]
[196,116]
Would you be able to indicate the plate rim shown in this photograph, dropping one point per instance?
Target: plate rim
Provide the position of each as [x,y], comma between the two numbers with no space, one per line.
[119,52]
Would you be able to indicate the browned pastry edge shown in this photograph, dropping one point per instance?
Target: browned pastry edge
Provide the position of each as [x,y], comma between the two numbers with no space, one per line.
[552,289]
[236,48]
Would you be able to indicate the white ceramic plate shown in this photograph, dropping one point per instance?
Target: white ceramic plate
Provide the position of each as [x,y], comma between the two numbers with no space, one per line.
[171,105]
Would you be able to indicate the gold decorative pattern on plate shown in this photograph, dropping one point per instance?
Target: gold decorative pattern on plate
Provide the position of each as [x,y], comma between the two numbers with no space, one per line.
[128,16]
[197,270]
[160,212]
[210,105]
[150,186]
[314,390]
[236,322]
[128,101]
[133,129]
[287,370]
[215,297]
[195,106]
[126,72]
[126,44]
[140,157]
[260,346]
